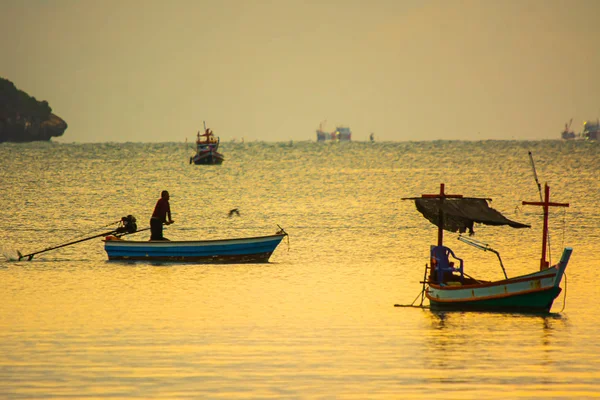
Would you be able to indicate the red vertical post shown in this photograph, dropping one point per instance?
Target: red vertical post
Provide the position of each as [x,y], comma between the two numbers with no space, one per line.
[543,262]
[546,204]
[442,196]
[441,217]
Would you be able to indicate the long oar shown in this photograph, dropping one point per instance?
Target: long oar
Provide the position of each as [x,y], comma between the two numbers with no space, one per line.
[29,257]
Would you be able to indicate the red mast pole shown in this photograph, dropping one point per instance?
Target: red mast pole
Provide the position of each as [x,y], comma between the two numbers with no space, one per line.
[441,217]
[546,204]
[543,262]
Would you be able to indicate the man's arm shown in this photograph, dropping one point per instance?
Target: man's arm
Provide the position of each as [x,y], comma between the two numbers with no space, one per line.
[169,219]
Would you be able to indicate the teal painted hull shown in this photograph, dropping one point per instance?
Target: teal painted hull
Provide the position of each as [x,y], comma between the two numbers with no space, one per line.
[534,292]
[530,302]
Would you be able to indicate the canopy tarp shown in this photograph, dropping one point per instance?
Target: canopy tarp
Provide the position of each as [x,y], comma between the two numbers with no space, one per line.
[461,213]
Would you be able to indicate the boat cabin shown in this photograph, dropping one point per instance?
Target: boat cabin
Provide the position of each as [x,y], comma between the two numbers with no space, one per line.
[206,138]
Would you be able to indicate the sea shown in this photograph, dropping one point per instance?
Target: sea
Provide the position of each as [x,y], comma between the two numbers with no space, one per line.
[319,320]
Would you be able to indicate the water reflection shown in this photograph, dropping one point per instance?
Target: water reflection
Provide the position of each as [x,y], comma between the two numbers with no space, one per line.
[475,343]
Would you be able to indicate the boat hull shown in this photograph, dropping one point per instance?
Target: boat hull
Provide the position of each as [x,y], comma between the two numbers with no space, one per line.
[540,301]
[208,158]
[530,293]
[226,251]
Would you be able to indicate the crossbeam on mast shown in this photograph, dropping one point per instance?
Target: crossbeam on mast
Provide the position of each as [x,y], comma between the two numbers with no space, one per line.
[546,204]
[441,196]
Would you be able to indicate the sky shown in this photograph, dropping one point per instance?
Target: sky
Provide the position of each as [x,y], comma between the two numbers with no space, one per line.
[274,70]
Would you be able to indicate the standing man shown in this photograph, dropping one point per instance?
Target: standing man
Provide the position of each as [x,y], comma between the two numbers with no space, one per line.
[160,216]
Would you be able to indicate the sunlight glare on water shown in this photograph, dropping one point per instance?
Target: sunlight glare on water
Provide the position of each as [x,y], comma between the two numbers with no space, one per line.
[318,321]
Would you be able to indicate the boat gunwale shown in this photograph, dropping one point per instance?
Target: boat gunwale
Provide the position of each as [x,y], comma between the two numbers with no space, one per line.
[253,258]
[188,242]
[476,299]
[518,279]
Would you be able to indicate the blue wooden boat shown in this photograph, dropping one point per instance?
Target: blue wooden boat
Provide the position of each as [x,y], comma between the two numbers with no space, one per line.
[220,251]
[448,287]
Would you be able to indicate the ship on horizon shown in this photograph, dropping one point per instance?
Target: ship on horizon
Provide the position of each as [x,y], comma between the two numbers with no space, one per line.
[591,131]
[340,134]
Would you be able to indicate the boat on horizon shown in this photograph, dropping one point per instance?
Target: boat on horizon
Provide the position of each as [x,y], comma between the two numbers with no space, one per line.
[567,133]
[446,284]
[207,146]
[340,134]
[591,131]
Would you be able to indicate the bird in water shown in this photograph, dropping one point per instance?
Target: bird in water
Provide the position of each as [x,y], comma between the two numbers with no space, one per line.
[234,211]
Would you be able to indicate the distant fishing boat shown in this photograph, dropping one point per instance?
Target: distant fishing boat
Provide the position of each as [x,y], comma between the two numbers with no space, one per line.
[448,287]
[591,130]
[340,134]
[221,251]
[207,146]
[567,133]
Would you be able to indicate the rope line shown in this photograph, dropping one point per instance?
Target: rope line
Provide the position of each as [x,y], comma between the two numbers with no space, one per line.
[564,295]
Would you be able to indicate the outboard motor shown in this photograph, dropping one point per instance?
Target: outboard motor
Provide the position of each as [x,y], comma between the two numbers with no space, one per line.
[127,225]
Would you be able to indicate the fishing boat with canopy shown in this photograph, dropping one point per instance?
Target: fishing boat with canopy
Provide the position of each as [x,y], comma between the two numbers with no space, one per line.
[446,284]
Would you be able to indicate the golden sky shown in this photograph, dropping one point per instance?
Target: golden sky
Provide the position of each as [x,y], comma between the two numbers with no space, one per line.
[273,70]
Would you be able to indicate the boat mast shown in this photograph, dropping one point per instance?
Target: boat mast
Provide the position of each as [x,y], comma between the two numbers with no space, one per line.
[546,204]
[442,196]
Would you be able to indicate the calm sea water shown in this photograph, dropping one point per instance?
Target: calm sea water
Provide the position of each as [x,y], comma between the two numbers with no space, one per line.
[318,321]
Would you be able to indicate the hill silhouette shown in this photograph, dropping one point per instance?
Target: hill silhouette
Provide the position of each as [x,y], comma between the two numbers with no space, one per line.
[25,119]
